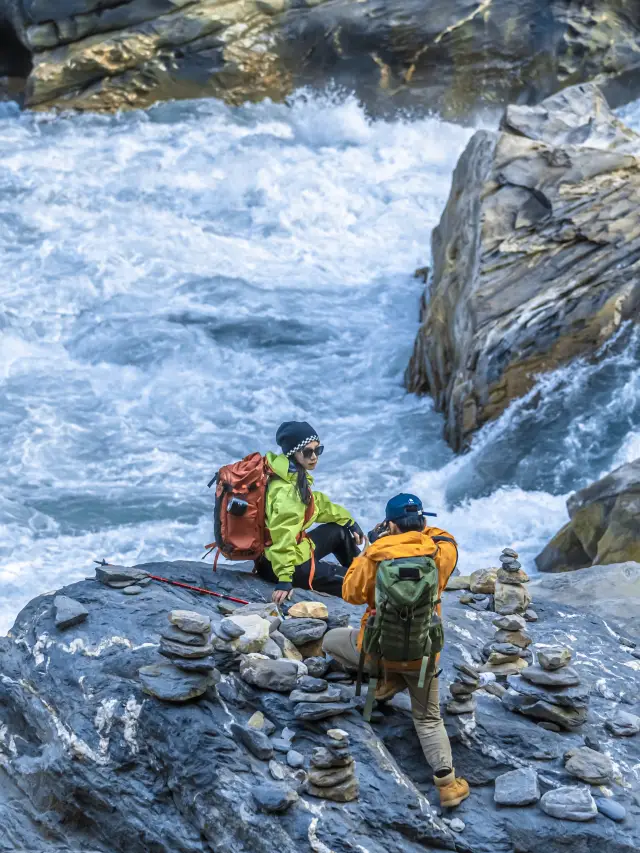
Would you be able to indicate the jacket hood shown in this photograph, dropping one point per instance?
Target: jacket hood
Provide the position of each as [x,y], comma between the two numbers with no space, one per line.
[279,464]
[411,544]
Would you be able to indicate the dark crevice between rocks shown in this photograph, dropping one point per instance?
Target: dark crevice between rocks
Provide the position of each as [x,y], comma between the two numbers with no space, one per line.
[15,63]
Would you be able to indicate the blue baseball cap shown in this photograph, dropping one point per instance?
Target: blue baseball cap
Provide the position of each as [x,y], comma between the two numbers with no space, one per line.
[403,505]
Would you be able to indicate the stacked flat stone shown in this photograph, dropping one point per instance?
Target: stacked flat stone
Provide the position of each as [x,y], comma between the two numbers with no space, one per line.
[185,642]
[550,691]
[462,688]
[333,770]
[508,654]
[511,595]
[316,699]
[129,581]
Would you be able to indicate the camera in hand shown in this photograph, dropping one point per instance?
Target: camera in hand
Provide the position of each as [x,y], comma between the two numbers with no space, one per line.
[379,530]
[237,506]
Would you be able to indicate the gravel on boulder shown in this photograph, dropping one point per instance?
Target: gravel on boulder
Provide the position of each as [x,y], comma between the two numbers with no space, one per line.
[510,623]
[274,798]
[295,759]
[176,635]
[590,766]
[190,621]
[119,574]
[565,677]
[277,675]
[302,631]
[228,629]
[308,609]
[312,685]
[320,710]
[569,803]
[171,649]
[255,740]
[613,810]
[331,694]
[623,724]
[343,793]
[167,682]
[68,612]
[517,788]
[554,657]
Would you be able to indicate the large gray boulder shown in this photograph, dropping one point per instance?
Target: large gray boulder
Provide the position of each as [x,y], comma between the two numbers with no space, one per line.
[89,761]
[535,257]
[604,525]
[453,56]
[610,591]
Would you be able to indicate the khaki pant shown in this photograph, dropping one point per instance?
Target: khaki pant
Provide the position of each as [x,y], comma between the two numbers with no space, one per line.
[340,643]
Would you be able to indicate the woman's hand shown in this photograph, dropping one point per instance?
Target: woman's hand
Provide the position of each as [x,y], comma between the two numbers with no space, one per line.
[356,531]
[281,593]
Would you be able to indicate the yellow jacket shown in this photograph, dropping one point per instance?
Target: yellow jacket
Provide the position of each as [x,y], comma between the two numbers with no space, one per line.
[359,585]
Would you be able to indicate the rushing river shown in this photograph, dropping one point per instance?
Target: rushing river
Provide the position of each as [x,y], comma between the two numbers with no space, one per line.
[175,283]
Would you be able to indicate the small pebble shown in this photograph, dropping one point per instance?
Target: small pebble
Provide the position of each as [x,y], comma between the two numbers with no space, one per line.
[132,590]
[611,809]
[295,759]
[457,825]
[592,743]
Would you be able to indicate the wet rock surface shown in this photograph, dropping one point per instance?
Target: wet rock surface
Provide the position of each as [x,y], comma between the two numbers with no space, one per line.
[534,263]
[150,774]
[448,55]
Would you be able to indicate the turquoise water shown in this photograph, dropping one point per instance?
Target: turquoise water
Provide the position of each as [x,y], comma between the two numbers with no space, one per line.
[174,283]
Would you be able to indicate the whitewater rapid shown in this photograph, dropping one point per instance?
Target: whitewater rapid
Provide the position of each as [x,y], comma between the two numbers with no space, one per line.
[174,283]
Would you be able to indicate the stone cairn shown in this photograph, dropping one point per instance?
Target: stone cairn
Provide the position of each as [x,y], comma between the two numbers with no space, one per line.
[550,691]
[462,688]
[130,581]
[285,656]
[508,653]
[190,669]
[501,590]
[333,770]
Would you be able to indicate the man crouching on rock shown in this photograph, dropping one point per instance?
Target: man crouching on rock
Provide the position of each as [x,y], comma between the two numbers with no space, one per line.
[404,571]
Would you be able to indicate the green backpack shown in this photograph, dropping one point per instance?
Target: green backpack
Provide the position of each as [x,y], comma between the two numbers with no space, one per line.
[405,625]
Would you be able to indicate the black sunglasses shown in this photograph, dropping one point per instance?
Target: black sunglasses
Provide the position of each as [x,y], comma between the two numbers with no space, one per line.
[308,452]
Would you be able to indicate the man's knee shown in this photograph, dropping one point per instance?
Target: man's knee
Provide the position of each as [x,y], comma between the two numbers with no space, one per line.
[339,643]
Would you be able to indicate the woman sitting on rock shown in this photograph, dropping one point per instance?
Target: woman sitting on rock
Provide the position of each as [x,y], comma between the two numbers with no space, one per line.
[295,557]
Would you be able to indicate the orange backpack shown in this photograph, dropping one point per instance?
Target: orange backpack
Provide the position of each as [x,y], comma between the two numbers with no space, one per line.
[239,525]
[239,514]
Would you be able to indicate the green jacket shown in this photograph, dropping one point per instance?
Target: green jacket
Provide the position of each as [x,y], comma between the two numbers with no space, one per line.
[284,516]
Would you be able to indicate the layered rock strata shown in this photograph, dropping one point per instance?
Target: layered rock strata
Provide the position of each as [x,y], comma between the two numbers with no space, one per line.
[453,56]
[536,257]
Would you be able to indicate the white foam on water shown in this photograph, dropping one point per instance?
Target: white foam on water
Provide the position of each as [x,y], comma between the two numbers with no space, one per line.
[174,283]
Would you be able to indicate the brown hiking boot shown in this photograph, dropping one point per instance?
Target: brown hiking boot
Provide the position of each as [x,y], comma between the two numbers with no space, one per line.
[388,686]
[452,791]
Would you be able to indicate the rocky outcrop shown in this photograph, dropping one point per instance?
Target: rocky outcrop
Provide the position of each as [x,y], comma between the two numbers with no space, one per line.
[453,56]
[89,760]
[611,590]
[536,257]
[604,525]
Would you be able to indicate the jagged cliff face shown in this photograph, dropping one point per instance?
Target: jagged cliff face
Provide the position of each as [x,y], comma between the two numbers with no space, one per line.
[452,56]
[536,257]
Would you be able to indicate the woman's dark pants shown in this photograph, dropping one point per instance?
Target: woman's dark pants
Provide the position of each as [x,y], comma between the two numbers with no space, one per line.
[329,539]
